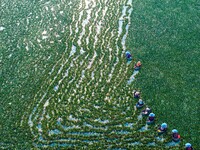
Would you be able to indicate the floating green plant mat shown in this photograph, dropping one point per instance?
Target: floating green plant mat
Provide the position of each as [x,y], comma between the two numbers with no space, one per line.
[66,82]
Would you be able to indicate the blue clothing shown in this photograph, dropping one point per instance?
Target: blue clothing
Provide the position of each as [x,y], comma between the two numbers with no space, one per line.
[138,105]
[164,125]
[137,68]
[174,131]
[128,55]
[188,145]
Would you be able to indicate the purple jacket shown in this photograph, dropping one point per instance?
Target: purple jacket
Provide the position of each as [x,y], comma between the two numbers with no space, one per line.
[151,118]
[165,129]
[189,148]
[175,135]
[128,55]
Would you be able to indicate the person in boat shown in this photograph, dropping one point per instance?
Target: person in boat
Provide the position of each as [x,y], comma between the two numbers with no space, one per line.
[138,66]
[136,94]
[146,111]
[175,136]
[162,129]
[140,104]
[151,118]
[188,146]
[128,56]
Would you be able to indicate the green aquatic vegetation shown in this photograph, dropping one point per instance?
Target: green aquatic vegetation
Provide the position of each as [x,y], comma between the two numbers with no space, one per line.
[51,93]
[165,74]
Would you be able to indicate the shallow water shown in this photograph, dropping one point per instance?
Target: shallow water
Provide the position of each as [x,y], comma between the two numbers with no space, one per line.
[2,28]
[172,143]
[76,51]
[132,78]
